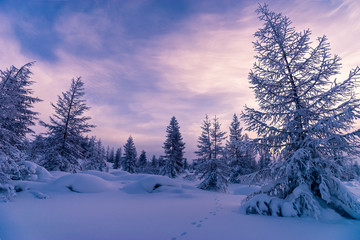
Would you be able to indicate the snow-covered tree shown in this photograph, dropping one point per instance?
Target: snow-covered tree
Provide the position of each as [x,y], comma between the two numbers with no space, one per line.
[211,168]
[94,155]
[305,118]
[117,161]
[111,156]
[204,142]
[245,163]
[16,102]
[235,136]
[236,149]
[16,117]
[174,150]
[66,128]
[142,162]
[129,160]
[265,158]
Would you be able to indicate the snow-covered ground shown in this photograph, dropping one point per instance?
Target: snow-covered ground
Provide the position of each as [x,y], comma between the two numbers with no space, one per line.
[117,205]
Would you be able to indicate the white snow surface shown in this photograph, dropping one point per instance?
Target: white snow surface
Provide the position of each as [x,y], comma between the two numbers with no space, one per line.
[96,205]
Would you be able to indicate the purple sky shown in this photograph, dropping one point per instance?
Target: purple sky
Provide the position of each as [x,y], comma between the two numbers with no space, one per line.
[144,61]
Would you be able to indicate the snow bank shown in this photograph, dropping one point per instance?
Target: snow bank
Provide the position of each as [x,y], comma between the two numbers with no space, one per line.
[82,183]
[119,173]
[36,172]
[152,184]
[103,175]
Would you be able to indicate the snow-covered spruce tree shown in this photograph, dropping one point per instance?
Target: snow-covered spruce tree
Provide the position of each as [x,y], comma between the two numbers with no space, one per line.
[234,149]
[111,157]
[117,160]
[174,150]
[305,118]
[129,160]
[204,141]
[211,168]
[142,162]
[154,166]
[95,158]
[245,163]
[16,116]
[65,130]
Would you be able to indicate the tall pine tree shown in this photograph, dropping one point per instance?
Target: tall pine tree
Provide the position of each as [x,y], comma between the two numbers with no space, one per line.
[174,150]
[117,161]
[95,158]
[212,168]
[305,118]
[66,128]
[16,116]
[129,159]
[142,163]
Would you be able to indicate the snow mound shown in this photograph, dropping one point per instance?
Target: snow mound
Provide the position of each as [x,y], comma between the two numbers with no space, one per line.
[82,183]
[152,184]
[119,173]
[103,175]
[36,172]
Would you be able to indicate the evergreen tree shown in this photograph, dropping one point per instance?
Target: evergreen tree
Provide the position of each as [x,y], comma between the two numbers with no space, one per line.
[117,161]
[154,165]
[174,150]
[245,163]
[305,118]
[205,146]
[233,149]
[66,128]
[111,158]
[265,159]
[16,117]
[212,167]
[94,155]
[142,161]
[186,164]
[129,159]
[107,153]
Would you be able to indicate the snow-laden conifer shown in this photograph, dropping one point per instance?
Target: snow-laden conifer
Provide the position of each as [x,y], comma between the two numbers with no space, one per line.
[95,158]
[117,161]
[245,163]
[129,160]
[211,168]
[142,162]
[174,150]
[66,128]
[111,156]
[16,118]
[305,117]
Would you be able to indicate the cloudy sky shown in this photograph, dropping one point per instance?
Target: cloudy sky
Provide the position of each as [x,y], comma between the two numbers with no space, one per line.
[145,61]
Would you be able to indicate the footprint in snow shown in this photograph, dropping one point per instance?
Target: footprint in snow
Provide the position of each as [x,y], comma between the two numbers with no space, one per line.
[199,225]
[183,234]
